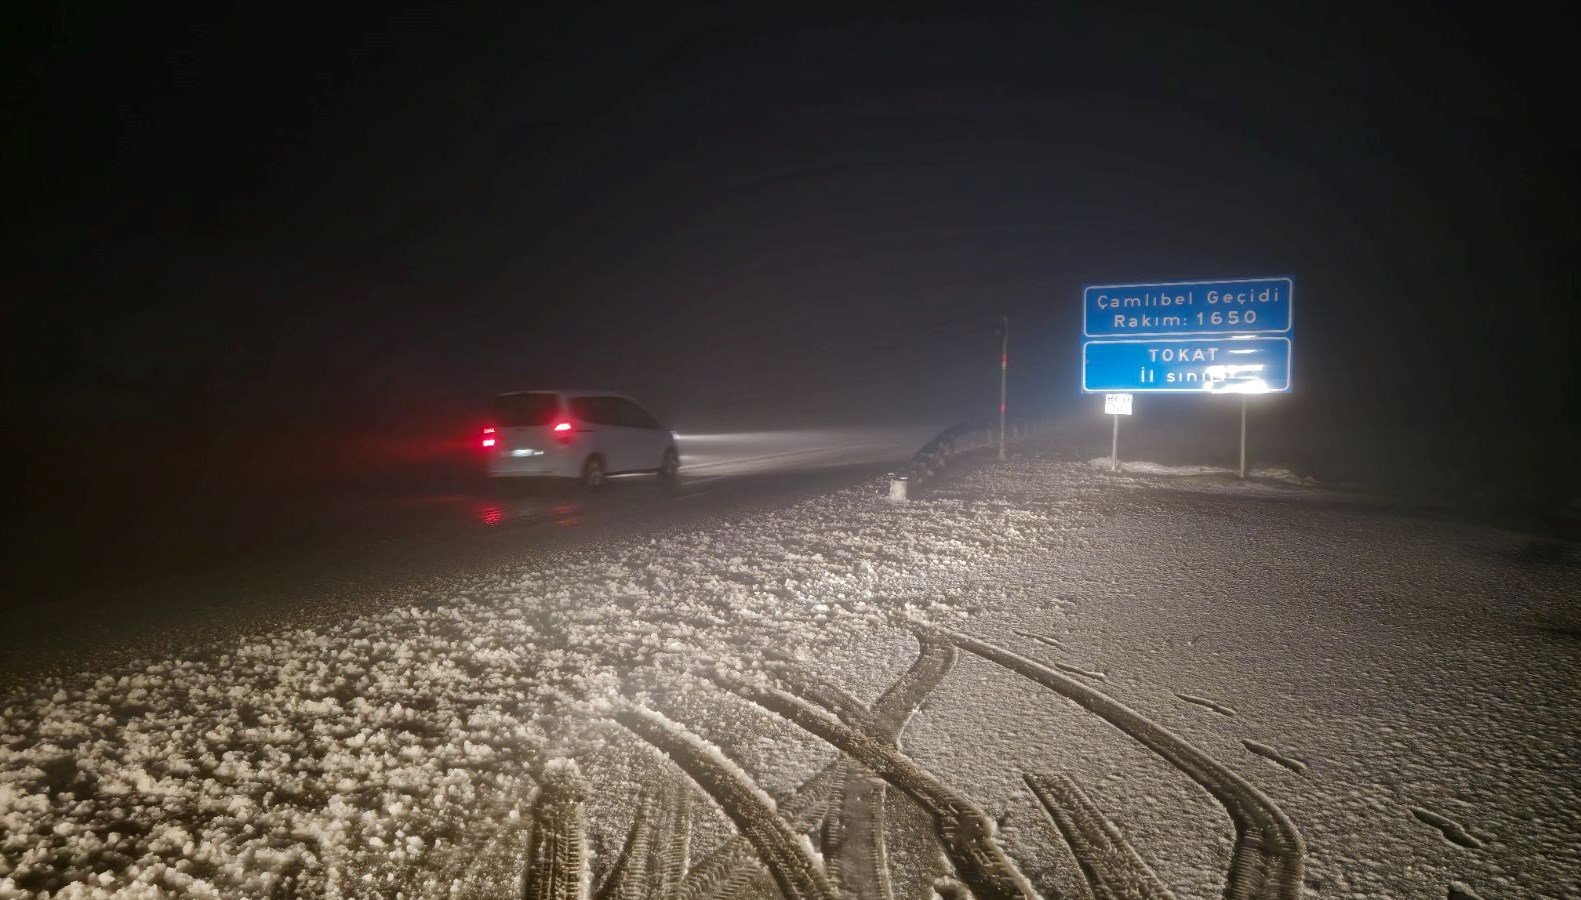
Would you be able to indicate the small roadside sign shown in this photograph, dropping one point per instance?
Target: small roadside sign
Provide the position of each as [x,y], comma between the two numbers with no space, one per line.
[1116,405]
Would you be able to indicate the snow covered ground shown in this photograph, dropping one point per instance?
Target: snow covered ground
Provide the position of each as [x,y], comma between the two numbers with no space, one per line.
[1041,677]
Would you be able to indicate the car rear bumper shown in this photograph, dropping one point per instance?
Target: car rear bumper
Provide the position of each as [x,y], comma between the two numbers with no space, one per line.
[549,465]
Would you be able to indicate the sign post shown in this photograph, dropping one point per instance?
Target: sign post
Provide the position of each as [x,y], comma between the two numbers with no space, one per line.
[1004,364]
[1189,337]
[1116,405]
[1243,437]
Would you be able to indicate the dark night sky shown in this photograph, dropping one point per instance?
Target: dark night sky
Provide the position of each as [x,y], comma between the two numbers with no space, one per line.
[382,214]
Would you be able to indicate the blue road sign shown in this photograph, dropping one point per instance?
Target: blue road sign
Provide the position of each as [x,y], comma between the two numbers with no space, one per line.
[1228,336]
[1239,364]
[1242,306]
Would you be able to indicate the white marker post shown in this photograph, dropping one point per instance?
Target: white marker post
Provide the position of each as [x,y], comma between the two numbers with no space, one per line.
[1116,405]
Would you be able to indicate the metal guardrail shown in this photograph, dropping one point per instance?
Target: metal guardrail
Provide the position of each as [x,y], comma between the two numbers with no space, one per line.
[959,439]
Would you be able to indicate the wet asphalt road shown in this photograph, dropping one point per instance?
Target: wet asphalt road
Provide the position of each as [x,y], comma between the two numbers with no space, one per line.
[315,560]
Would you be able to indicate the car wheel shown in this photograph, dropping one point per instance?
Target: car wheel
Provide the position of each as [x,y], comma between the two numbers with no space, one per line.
[670,466]
[593,472]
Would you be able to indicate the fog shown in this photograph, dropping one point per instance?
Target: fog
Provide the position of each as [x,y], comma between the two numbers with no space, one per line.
[233,292]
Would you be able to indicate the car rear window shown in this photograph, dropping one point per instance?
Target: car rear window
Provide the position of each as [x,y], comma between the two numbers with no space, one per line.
[522,410]
[597,410]
[634,416]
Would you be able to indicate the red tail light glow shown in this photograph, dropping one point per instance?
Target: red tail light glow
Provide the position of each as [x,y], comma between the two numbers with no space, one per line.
[562,432]
[488,437]
[562,426]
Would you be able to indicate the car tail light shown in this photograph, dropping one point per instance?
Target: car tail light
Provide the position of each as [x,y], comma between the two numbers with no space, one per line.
[562,432]
[488,437]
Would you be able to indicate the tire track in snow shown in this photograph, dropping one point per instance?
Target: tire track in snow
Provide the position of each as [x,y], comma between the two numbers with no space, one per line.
[852,837]
[1214,705]
[1042,639]
[728,871]
[654,857]
[1269,852]
[746,877]
[895,707]
[1064,667]
[797,874]
[1082,673]
[966,831]
[1453,831]
[1275,756]
[841,703]
[1113,868]
[557,842]
[675,846]
[889,715]
[496,866]
[853,832]
[627,877]
[861,855]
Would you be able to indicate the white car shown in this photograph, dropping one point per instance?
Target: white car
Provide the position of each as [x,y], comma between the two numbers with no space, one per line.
[587,435]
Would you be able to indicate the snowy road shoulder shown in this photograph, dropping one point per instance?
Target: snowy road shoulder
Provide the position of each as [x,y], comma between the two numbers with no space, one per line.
[1347,670]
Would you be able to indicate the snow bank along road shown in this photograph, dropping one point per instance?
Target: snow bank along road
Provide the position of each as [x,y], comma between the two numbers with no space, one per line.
[1041,679]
